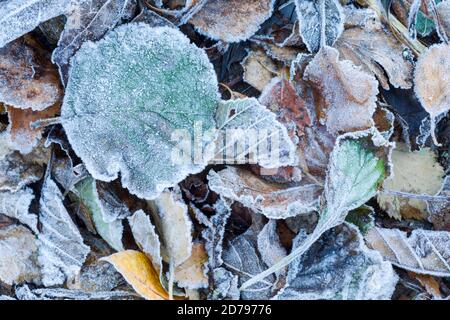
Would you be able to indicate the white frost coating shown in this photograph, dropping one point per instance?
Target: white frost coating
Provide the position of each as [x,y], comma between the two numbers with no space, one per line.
[310,18]
[249,132]
[271,200]
[175,226]
[18,17]
[269,245]
[145,235]
[424,251]
[127,94]
[61,248]
[339,266]
[232,20]
[16,205]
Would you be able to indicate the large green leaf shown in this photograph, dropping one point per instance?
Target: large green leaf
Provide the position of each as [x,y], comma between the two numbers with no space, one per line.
[128,94]
[354,175]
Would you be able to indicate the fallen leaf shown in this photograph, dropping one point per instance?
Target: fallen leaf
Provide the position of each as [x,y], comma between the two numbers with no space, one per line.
[431,82]
[232,20]
[259,69]
[439,209]
[16,205]
[423,251]
[339,267]
[28,80]
[191,273]
[430,284]
[313,25]
[249,133]
[185,81]
[273,200]
[414,173]
[92,19]
[24,137]
[18,250]
[348,93]
[443,12]
[62,251]
[139,272]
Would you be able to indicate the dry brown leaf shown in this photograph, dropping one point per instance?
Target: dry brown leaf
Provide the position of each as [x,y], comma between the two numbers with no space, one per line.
[191,273]
[429,283]
[377,51]
[139,272]
[274,200]
[28,79]
[347,94]
[23,137]
[232,20]
[424,251]
[416,173]
[259,69]
[432,82]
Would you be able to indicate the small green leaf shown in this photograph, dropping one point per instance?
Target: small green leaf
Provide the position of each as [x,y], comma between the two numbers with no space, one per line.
[354,175]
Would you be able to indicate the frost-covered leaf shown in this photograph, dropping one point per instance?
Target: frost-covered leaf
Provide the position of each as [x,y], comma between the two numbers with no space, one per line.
[414,173]
[172,220]
[147,239]
[232,20]
[17,170]
[259,69]
[91,20]
[16,205]
[443,13]
[61,248]
[18,251]
[126,126]
[18,17]
[28,80]
[348,93]
[191,273]
[139,272]
[25,293]
[431,82]
[110,231]
[23,136]
[423,251]
[314,23]
[439,209]
[340,267]
[226,285]
[377,51]
[250,133]
[269,246]
[354,174]
[274,200]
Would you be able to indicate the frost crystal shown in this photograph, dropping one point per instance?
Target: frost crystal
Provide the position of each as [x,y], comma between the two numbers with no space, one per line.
[126,96]
[16,205]
[61,248]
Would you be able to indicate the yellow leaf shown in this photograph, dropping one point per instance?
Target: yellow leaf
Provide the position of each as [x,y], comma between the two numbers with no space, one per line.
[139,272]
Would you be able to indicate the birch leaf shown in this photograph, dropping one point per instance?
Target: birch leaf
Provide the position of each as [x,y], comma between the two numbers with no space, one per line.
[61,248]
[311,21]
[348,93]
[249,133]
[175,226]
[18,251]
[139,272]
[147,239]
[18,17]
[339,267]
[16,205]
[354,175]
[28,80]
[416,172]
[110,231]
[274,200]
[130,131]
[93,19]
[423,251]
[232,20]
